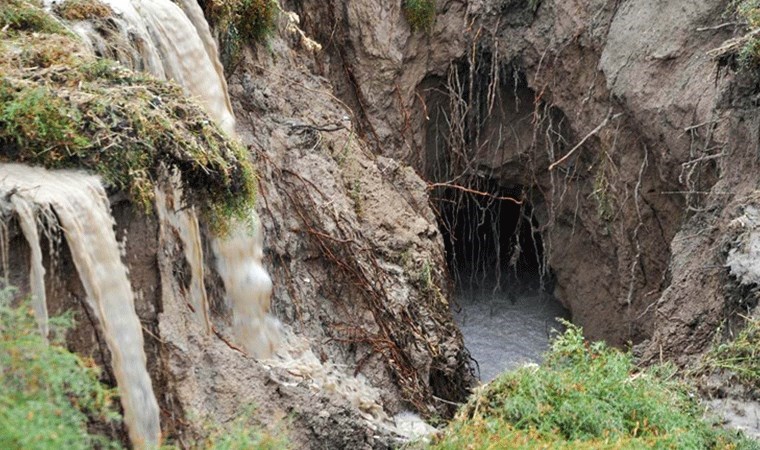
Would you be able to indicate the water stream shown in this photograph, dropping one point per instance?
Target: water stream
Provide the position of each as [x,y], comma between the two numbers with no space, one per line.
[506,328]
[81,206]
[170,42]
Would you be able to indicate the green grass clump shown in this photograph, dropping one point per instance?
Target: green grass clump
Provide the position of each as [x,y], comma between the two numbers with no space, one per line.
[240,22]
[585,396]
[63,108]
[420,14]
[48,395]
[27,15]
[241,434]
[741,356]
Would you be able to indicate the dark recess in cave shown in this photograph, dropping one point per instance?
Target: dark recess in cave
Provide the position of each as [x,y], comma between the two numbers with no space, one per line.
[491,241]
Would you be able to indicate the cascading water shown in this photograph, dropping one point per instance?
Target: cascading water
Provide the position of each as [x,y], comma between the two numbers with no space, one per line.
[169,42]
[82,208]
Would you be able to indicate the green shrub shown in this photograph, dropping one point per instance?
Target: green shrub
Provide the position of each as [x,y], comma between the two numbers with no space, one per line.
[47,394]
[420,14]
[585,396]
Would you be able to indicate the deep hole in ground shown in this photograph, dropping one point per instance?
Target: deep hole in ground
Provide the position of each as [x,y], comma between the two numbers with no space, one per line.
[503,282]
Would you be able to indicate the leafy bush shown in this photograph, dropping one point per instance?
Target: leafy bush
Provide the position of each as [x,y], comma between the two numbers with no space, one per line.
[420,14]
[585,396]
[47,394]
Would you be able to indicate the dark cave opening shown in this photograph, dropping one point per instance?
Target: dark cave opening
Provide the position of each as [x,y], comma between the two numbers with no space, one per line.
[496,256]
[492,239]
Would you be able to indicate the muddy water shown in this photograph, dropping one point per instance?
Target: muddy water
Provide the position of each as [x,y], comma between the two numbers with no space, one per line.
[82,208]
[507,328]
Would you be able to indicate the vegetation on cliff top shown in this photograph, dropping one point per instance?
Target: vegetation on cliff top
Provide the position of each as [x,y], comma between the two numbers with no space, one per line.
[586,396]
[63,108]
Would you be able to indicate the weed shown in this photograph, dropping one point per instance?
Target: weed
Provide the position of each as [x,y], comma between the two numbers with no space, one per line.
[420,14]
[741,355]
[586,395]
[47,394]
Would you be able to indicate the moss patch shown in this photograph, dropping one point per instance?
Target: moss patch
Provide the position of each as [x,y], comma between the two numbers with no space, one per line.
[20,15]
[63,108]
[420,14]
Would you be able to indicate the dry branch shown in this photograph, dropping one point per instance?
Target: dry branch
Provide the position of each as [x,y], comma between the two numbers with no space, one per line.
[599,128]
[432,186]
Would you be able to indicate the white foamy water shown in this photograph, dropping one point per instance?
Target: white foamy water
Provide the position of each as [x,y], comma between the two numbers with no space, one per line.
[506,329]
[81,205]
[25,212]
[248,288]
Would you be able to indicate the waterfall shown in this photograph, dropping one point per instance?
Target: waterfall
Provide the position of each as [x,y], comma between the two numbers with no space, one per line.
[248,288]
[82,208]
[185,222]
[169,42]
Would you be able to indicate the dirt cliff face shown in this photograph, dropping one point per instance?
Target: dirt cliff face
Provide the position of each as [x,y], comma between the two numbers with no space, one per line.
[661,144]
[352,243]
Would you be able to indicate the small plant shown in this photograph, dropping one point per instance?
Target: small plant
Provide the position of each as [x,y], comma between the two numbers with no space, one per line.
[744,50]
[601,194]
[48,395]
[741,355]
[420,14]
[241,435]
[586,395]
[240,22]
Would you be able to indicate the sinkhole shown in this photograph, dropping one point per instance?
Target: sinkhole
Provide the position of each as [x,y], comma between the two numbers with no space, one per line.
[496,255]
